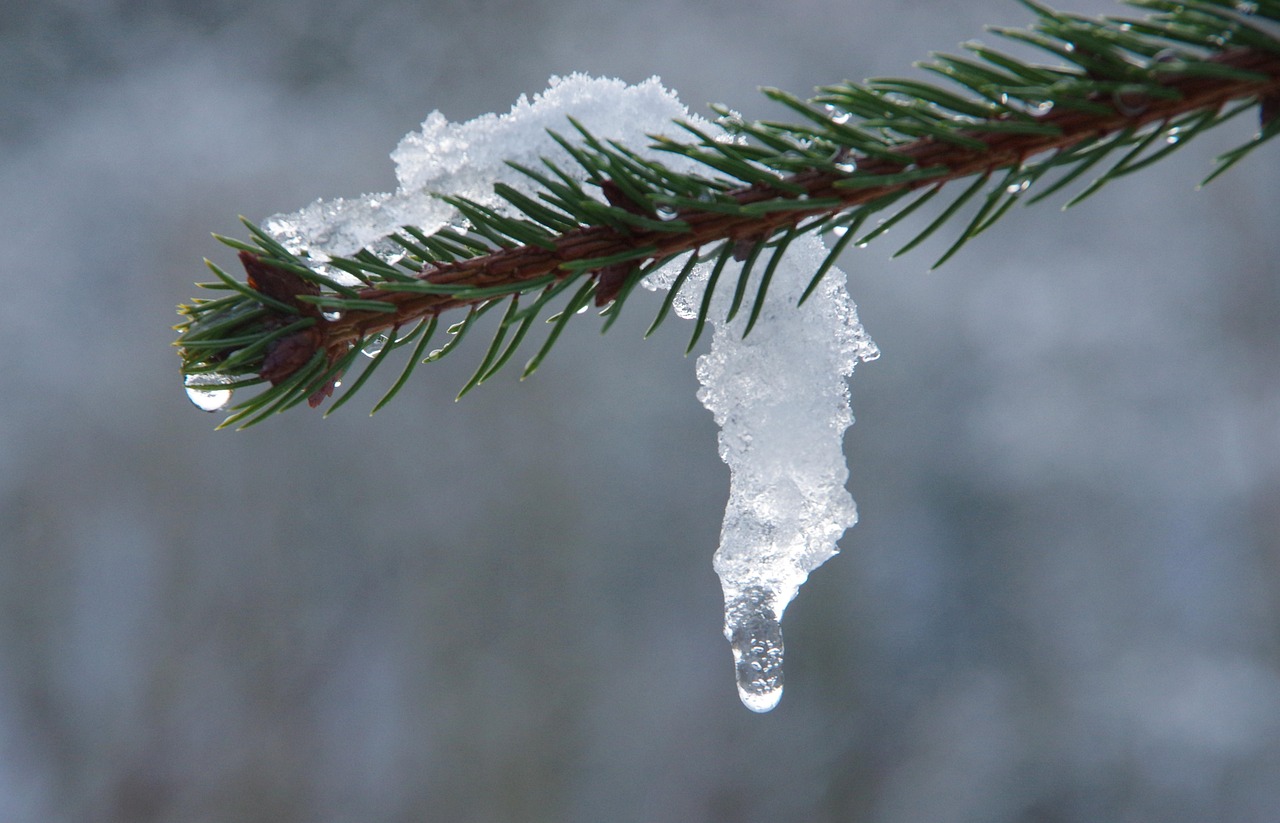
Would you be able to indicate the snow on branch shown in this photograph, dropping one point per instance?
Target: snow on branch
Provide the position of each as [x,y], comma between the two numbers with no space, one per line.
[595,187]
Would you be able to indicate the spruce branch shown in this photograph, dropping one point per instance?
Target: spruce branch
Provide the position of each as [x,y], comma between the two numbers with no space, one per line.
[1127,91]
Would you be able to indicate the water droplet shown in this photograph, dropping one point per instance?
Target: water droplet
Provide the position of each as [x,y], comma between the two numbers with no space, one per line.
[1130,101]
[332,316]
[374,345]
[841,118]
[1173,135]
[840,231]
[583,309]
[205,393]
[847,168]
[1042,108]
[755,636]
[1017,188]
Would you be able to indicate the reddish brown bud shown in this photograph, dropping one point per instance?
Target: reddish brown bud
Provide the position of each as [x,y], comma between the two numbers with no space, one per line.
[612,279]
[286,355]
[619,199]
[276,283]
[1268,109]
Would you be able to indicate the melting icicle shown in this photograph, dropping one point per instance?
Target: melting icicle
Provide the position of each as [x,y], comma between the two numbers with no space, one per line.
[754,632]
[780,395]
[204,393]
[781,400]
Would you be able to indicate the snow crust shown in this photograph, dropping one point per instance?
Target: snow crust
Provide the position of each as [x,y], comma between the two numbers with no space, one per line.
[780,396]
[466,159]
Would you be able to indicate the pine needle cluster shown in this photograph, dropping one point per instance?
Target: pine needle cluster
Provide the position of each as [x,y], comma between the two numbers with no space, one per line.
[1119,95]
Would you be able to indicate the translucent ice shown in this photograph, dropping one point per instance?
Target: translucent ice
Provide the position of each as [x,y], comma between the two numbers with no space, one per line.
[780,396]
[754,629]
[781,400]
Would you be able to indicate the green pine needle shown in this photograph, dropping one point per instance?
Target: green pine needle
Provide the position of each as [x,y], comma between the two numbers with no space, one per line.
[1117,93]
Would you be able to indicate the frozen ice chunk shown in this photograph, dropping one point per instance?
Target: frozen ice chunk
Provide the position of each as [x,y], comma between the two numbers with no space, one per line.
[781,399]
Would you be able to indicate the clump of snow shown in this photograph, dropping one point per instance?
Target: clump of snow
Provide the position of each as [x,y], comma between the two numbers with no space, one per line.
[780,396]
[466,159]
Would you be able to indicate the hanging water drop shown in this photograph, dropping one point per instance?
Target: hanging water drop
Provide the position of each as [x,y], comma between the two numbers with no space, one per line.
[754,631]
[204,392]
[1017,188]
[374,345]
[1173,135]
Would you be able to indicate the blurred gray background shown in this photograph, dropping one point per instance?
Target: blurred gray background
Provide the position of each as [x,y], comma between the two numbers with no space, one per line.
[1062,603]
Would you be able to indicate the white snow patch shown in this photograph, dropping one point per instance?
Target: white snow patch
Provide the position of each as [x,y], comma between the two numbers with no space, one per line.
[466,159]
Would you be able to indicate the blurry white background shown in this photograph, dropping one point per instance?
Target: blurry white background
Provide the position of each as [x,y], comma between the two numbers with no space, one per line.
[1062,603]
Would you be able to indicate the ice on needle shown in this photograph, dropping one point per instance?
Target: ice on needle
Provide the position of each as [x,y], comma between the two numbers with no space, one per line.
[780,396]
